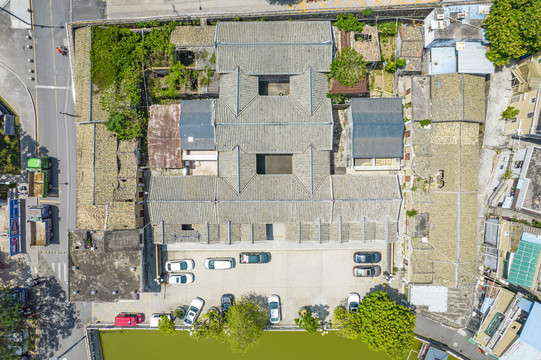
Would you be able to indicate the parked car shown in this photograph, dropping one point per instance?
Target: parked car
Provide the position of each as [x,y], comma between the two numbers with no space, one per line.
[179,265]
[219,263]
[227,301]
[194,310]
[353,302]
[275,311]
[180,278]
[254,258]
[155,319]
[366,271]
[128,319]
[367,257]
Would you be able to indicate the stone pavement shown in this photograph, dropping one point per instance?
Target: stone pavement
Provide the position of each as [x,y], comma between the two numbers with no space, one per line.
[118,9]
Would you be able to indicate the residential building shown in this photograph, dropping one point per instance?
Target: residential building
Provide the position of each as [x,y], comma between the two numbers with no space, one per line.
[448,25]
[465,57]
[376,126]
[409,46]
[526,97]
[527,196]
[273,133]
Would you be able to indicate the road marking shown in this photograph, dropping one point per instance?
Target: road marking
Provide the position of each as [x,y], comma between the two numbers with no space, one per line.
[52,87]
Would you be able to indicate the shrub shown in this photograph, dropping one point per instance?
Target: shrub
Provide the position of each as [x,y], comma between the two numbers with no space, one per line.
[510,113]
[308,322]
[348,23]
[425,122]
[401,63]
[348,68]
[166,326]
[390,67]
[337,98]
[389,28]
[367,12]
[411,213]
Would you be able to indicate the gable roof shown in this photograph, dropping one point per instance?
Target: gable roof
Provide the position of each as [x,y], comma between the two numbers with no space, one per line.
[378,127]
[277,47]
[196,125]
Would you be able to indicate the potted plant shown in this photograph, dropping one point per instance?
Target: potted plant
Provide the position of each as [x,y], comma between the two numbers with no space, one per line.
[307,321]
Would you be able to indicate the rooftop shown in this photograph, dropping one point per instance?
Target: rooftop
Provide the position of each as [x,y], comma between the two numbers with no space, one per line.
[472,59]
[449,97]
[274,47]
[104,265]
[196,125]
[529,183]
[525,263]
[378,127]
[163,137]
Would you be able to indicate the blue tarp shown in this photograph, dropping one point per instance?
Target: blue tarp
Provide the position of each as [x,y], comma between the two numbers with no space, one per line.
[486,305]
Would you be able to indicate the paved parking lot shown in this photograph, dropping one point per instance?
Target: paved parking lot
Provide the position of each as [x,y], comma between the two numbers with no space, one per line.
[320,278]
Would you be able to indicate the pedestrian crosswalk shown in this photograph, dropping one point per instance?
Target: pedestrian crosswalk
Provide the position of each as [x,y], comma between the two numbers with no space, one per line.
[61,271]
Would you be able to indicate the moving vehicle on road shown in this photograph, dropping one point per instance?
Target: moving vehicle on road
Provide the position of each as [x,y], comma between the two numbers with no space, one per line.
[179,265]
[219,263]
[156,318]
[353,302]
[366,271]
[194,310]
[254,258]
[227,301]
[180,278]
[128,319]
[39,176]
[275,311]
[367,257]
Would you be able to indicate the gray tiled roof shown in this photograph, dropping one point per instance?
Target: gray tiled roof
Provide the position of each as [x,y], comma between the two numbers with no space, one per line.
[277,47]
[378,127]
[196,125]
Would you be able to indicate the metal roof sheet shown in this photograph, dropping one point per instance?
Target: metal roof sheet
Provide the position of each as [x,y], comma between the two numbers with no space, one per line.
[472,59]
[532,328]
[196,125]
[442,61]
[378,127]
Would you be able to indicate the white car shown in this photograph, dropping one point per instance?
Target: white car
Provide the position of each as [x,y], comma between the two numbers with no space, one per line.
[275,311]
[155,319]
[180,278]
[179,265]
[219,263]
[194,310]
[353,302]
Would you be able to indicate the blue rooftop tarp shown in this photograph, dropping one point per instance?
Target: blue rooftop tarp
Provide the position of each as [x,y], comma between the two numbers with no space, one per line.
[472,59]
[442,60]
[196,125]
[531,331]
[378,128]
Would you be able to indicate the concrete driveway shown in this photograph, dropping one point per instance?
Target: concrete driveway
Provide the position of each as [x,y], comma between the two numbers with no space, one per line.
[321,279]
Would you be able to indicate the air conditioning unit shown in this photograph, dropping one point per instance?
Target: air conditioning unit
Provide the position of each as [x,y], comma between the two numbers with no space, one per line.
[440,16]
[460,45]
[484,9]
[461,15]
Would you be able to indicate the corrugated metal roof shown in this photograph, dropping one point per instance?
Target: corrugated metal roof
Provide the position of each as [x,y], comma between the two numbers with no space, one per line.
[472,59]
[442,61]
[359,88]
[532,328]
[277,47]
[196,125]
[378,127]
[163,137]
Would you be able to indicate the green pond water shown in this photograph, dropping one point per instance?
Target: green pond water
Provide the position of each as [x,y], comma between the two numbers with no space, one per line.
[152,344]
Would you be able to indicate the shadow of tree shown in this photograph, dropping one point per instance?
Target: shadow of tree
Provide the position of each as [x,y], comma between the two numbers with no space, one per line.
[58,318]
[260,300]
[320,310]
[283,2]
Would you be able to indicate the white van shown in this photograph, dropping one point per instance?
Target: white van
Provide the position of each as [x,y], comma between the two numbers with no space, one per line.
[219,263]
[155,319]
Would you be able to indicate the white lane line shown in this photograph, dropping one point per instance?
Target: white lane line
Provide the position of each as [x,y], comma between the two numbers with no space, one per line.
[52,87]
[66,273]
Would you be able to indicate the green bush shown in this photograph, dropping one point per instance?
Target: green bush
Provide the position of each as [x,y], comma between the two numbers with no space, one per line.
[337,98]
[348,68]
[425,122]
[401,63]
[389,28]
[411,213]
[166,326]
[308,322]
[348,23]
[390,67]
[510,113]
[367,12]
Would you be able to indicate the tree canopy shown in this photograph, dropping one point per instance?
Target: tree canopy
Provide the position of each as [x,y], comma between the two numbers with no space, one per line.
[349,324]
[386,325]
[166,326]
[513,29]
[16,327]
[349,23]
[308,322]
[348,68]
[209,326]
[245,324]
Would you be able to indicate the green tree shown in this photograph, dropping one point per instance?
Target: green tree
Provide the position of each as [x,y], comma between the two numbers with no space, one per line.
[389,28]
[166,326]
[245,324]
[348,68]
[308,322]
[401,63]
[367,12]
[349,324]
[349,23]
[209,326]
[16,328]
[510,113]
[513,29]
[386,325]
[390,67]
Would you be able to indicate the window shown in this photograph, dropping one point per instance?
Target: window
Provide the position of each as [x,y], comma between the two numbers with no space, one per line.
[274,85]
[187,227]
[141,213]
[530,115]
[407,134]
[407,156]
[269,230]
[275,164]
[532,100]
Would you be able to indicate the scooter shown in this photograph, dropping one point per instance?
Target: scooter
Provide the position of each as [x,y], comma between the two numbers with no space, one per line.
[62,50]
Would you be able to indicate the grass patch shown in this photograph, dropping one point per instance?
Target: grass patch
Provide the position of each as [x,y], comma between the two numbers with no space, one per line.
[10,149]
